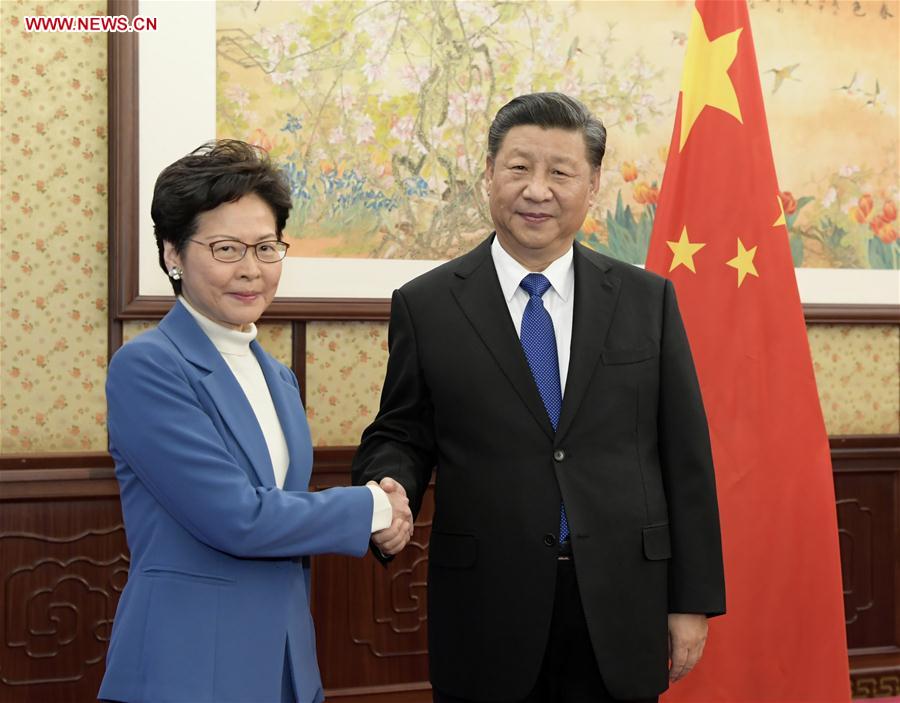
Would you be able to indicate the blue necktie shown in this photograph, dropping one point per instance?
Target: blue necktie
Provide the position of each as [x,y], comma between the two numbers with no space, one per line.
[539,343]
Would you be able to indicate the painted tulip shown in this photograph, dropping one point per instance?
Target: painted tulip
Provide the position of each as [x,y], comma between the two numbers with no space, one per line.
[865,204]
[261,139]
[788,202]
[629,171]
[591,225]
[887,234]
[640,193]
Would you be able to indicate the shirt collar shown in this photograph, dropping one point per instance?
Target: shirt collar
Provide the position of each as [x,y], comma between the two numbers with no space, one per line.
[225,339]
[560,273]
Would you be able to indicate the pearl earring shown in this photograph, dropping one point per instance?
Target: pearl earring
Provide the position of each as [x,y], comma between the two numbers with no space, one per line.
[175,273]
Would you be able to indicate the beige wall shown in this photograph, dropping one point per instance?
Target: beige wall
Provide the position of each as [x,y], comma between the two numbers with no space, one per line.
[53,260]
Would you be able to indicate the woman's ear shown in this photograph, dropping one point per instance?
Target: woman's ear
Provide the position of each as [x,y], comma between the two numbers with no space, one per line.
[171,256]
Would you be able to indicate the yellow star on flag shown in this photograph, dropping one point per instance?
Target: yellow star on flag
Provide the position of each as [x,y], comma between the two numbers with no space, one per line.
[705,80]
[780,220]
[743,262]
[683,251]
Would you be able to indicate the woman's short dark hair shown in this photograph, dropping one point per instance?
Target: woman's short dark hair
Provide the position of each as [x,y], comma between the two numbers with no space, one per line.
[549,110]
[217,172]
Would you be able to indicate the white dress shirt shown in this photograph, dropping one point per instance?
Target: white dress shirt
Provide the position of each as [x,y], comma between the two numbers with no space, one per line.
[558,300]
[234,346]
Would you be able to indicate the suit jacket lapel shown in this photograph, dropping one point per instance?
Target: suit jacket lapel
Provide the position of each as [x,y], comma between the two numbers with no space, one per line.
[596,293]
[478,292]
[286,399]
[223,388]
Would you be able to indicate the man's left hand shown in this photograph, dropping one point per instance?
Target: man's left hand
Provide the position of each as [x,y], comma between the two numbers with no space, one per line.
[687,635]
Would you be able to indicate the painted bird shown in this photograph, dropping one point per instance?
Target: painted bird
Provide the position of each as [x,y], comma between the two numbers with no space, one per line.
[573,52]
[849,88]
[781,74]
[873,98]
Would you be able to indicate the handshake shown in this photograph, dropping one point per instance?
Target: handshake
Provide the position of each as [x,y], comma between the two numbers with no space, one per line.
[393,539]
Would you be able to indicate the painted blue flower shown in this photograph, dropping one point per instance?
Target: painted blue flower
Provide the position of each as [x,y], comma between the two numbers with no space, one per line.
[416,187]
[293,124]
[297,181]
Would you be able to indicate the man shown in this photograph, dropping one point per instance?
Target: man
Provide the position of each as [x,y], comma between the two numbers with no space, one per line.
[575,528]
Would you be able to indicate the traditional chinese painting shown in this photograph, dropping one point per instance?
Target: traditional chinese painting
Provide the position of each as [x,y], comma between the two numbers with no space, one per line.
[378,112]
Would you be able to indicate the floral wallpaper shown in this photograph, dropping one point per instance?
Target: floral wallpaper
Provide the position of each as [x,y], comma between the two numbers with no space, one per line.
[857,370]
[345,363]
[53,266]
[858,374]
[275,337]
[53,289]
[132,328]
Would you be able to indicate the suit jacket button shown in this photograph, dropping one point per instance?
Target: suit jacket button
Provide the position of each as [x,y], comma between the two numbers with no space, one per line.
[550,540]
[559,455]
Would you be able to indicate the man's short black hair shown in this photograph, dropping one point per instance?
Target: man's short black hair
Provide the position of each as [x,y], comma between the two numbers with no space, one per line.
[217,172]
[549,110]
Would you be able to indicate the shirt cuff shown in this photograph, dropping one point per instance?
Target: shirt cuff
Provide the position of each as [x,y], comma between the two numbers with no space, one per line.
[381,509]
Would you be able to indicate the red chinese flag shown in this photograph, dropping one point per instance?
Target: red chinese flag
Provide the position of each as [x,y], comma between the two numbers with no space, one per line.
[720,236]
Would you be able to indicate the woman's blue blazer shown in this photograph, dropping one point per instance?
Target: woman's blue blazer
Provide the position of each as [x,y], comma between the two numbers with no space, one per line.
[217,598]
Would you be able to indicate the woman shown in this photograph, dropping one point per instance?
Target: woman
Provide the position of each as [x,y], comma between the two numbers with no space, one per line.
[213,457]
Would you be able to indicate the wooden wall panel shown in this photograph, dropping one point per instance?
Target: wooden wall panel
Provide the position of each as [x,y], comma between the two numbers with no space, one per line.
[867,490]
[63,563]
[865,509]
[371,629]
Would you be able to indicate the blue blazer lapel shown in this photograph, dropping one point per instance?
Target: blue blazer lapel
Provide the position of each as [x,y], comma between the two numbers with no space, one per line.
[223,388]
[286,398]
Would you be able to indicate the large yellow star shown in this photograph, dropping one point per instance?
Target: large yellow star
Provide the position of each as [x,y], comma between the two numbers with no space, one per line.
[683,251]
[705,80]
[743,262]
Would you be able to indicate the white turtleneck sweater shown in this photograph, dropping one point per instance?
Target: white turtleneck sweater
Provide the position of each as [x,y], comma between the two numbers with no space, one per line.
[234,346]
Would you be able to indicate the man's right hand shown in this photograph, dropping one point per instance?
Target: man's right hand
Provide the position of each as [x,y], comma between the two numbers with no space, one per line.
[393,539]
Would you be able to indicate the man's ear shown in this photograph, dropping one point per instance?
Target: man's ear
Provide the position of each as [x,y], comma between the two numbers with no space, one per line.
[488,174]
[595,185]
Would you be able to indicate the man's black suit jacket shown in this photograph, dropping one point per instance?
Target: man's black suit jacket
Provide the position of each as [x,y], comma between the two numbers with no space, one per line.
[630,458]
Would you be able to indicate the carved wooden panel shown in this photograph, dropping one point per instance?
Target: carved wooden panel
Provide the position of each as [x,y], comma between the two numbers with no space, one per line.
[883,684]
[63,565]
[867,490]
[371,627]
[864,511]
[387,605]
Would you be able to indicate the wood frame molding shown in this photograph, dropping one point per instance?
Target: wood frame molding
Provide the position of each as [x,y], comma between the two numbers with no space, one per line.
[122,69]
[818,314]
[860,446]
